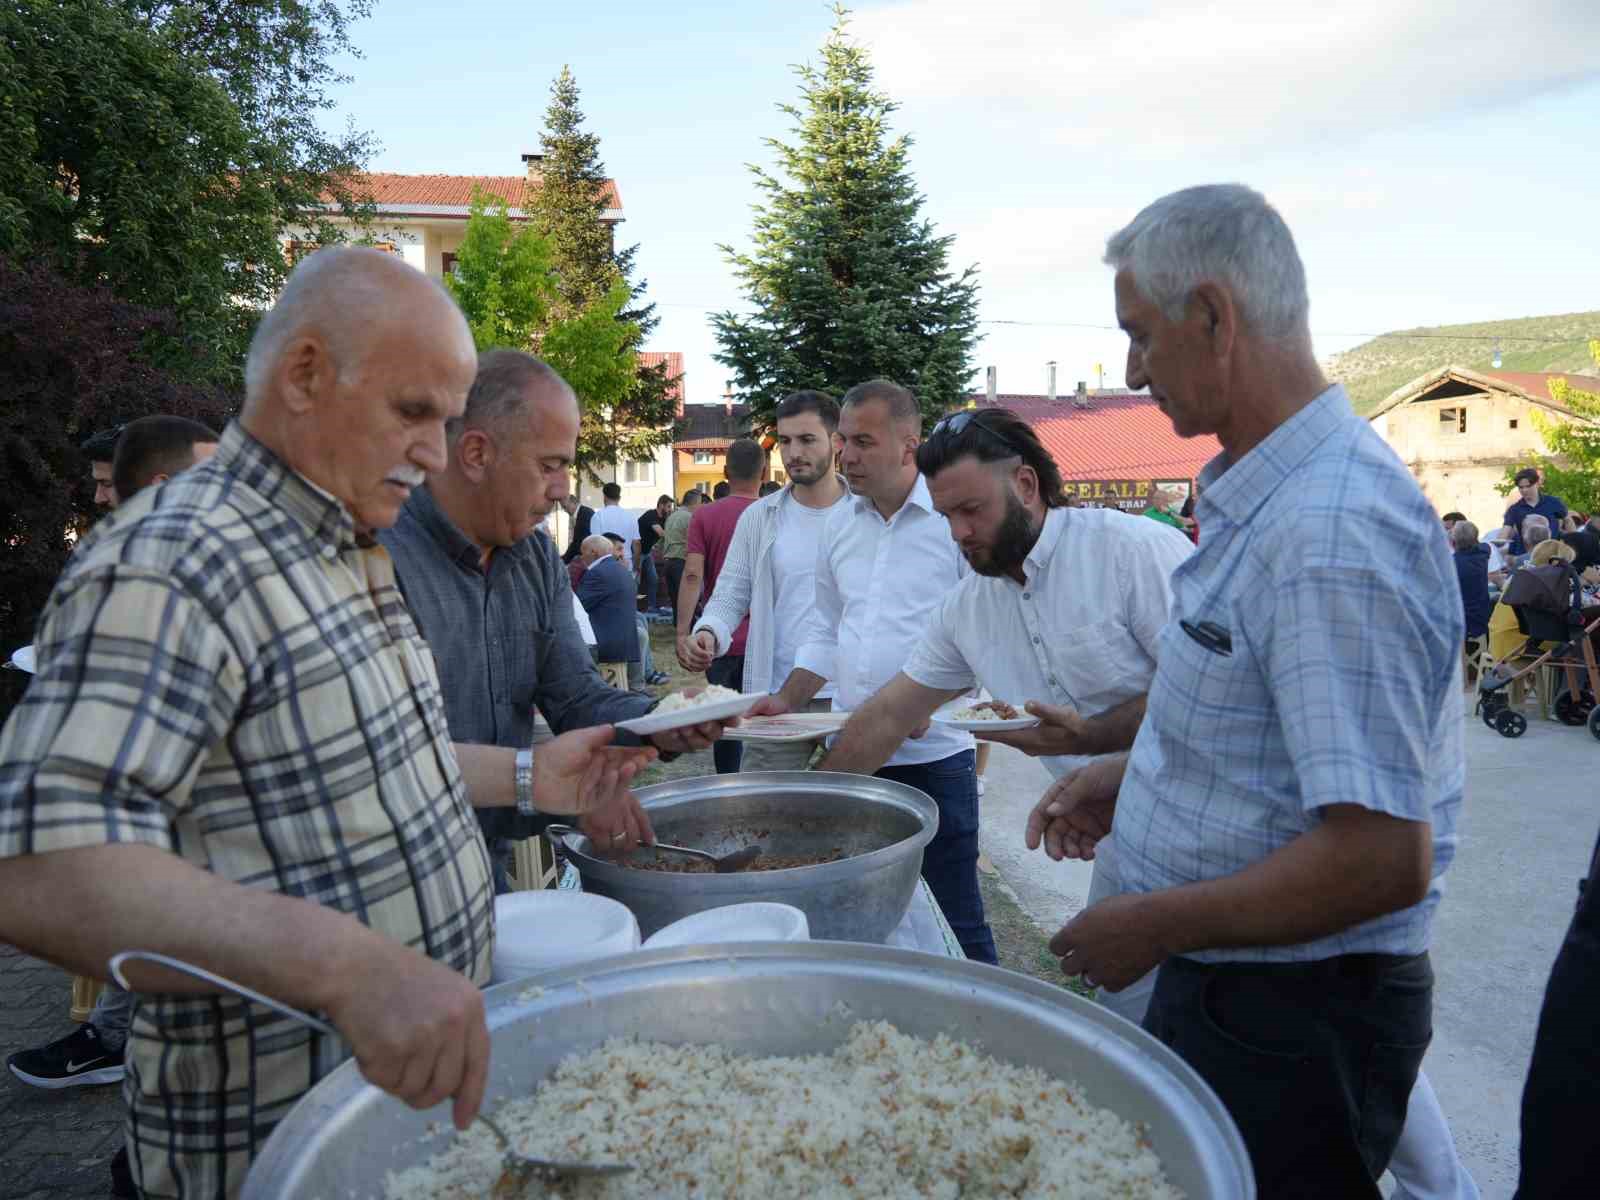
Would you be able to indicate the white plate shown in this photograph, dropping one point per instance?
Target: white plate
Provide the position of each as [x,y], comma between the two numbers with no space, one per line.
[23,659]
[943,717]
[758,921]
[789,727]
[537,930]
[734,706]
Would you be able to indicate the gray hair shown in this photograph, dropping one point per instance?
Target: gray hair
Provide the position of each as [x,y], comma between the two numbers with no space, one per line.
[1464,535]
[1223,233]
[501,390]
[1535,529]
[596,543]
[329,292]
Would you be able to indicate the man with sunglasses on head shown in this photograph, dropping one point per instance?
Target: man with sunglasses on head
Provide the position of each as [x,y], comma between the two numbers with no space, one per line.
[1061,611]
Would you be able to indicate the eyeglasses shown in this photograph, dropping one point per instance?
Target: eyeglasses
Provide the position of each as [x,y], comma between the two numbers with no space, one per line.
[956,423]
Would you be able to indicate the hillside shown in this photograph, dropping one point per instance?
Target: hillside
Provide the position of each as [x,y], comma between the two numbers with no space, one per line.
[1373,369]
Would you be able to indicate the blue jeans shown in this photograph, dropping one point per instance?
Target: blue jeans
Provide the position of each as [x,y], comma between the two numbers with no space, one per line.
[727,753]
[950,863]
[647,581]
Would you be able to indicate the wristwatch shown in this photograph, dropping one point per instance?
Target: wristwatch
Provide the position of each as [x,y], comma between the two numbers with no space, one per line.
[524,781]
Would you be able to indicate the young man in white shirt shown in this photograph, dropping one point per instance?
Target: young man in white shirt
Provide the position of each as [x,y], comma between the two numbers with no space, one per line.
[615,520]
[771,566]
[885,564]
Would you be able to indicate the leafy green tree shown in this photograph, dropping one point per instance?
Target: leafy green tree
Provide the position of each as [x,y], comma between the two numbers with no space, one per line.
[159,148]
[1572,468]
[628,422]
[847,280]
[510,292]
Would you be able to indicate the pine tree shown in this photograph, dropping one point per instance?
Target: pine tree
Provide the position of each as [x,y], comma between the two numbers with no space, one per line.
[568,208]
[848,281]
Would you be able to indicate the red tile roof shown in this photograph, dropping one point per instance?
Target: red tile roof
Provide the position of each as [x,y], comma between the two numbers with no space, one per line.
[1537,383]
[392,193]
[1121,435]
[674,361]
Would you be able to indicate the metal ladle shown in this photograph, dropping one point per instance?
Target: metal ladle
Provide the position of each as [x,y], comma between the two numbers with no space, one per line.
[515,1169]
[725,864]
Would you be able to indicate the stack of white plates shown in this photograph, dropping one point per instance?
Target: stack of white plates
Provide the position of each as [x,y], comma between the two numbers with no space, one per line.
[537,930]
[760,921]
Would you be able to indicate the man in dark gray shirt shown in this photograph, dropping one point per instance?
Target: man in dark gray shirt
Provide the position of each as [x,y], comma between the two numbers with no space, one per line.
[492,597]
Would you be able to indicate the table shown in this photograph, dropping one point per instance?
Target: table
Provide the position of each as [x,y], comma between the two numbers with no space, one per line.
[923,928]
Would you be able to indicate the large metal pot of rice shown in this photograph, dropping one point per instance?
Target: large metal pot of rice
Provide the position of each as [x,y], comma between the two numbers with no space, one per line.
[792,998]
[876,827]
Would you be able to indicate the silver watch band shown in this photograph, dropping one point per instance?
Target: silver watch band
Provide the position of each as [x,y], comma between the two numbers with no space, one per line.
[524,780]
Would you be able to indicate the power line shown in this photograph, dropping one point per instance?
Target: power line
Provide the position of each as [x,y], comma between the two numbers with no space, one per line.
[1321,333]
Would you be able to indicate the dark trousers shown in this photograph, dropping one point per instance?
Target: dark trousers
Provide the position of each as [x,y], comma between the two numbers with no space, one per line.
[727,753]
[1315,1061]
[647,581]
[950,863]
[673,567]
[1560,1156]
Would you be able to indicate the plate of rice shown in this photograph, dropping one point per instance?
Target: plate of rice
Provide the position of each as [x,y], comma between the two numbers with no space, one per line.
[990,716]
[691,707]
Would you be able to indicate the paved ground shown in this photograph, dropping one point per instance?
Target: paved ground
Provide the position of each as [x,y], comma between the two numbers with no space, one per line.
[52,1144]
[1526,833]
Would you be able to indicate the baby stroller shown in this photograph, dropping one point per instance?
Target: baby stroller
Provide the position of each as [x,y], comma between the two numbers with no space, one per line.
[1548,602]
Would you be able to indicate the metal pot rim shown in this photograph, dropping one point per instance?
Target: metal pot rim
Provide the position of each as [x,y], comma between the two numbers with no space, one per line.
[662,797]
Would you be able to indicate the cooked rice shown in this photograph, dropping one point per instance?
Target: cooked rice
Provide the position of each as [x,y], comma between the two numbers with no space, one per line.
[678,701]
[989,710]
[885,1114]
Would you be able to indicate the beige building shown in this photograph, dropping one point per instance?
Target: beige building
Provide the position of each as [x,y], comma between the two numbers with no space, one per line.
[422,218]
[1458,431]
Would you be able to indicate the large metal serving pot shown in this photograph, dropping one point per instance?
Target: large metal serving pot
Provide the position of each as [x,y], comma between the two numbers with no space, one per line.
[881,825]
[764,999]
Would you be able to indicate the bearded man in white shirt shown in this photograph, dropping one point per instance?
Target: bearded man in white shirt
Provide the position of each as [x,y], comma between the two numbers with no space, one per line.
[1062,611]
[885,564]
[771,566]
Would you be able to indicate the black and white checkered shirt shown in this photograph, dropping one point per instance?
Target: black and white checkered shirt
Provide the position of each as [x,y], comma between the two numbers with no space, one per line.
[226,673]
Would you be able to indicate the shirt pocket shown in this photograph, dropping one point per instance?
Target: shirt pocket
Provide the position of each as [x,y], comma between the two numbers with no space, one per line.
[1100,664]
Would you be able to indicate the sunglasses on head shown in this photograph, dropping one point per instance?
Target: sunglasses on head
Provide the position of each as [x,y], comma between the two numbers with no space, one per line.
[956,423]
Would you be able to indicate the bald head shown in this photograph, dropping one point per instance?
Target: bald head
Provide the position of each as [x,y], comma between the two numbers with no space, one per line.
[352,376]
[338,295]
[595,546]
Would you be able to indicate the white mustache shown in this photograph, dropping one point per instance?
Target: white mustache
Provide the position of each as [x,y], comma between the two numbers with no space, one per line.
[408,475]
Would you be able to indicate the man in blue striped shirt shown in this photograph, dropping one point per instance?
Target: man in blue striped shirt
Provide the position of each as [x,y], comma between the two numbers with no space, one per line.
[1288,810]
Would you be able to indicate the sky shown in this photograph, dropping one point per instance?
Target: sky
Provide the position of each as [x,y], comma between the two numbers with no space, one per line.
[1435,159]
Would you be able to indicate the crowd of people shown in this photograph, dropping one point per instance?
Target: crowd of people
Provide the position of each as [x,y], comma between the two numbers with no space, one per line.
[313,660]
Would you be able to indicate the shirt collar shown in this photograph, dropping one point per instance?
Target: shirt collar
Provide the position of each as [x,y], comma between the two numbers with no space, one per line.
[1055,520]
[460,549]
[322,515]
[920,496]
[1239,489]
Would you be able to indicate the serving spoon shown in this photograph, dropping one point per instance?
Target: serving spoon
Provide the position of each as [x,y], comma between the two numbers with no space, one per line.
[516,1170]
[725,864]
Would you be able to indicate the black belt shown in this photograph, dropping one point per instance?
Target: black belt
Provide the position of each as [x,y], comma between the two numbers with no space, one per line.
[1339,966]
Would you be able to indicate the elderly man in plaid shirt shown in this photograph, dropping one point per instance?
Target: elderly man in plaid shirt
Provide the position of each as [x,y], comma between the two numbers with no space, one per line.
[1287,813]
[235,752]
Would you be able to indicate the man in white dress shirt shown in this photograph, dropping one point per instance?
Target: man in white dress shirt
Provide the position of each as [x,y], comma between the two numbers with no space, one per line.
[1063,610]
[885,564]
[771,566]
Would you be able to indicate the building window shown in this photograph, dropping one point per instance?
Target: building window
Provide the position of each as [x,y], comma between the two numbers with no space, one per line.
[1452,420]
[705,458]
[639,472]
[1513,422]
[447,263]
[294,251]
